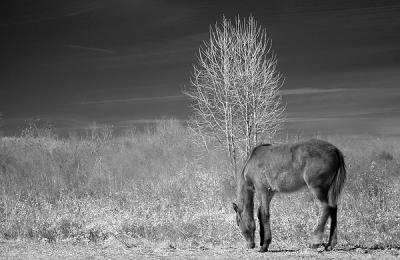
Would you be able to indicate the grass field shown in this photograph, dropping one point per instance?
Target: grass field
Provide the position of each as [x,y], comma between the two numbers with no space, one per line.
[157,186]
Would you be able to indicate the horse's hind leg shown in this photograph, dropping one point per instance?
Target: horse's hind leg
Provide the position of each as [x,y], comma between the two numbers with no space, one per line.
[318,233]
[333,232]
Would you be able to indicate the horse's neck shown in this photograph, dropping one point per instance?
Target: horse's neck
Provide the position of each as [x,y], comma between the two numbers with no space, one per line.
[245,195]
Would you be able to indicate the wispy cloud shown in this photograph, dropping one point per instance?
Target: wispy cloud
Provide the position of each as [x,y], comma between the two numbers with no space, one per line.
[302,91]
[127,123]
[133,100]
[87,48]
[311,119]
[58,13]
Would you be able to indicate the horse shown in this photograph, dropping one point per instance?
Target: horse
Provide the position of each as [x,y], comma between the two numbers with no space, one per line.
[285,168]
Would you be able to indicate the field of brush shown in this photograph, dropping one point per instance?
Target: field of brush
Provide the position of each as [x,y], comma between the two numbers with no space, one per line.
[157,186]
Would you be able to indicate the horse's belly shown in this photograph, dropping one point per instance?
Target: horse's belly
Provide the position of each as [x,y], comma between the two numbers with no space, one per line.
[286,182]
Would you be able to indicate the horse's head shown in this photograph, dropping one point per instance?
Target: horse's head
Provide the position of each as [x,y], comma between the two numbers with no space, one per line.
[246,225]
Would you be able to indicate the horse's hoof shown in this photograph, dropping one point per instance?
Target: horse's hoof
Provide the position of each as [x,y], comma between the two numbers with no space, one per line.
[316,246]
[251,245]
[263,249]
[329,248]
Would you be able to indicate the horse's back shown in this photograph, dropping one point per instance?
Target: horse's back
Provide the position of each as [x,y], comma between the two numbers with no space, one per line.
[289,167]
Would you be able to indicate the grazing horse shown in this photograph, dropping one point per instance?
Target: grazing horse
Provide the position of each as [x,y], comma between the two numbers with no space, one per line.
[286,168]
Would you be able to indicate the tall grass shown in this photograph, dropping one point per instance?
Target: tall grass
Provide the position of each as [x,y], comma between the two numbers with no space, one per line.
[158,186]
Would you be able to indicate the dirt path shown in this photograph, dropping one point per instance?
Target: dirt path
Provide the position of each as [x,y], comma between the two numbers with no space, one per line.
[115,250]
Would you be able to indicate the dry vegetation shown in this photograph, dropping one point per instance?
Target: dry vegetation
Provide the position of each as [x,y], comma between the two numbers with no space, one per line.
[157,186]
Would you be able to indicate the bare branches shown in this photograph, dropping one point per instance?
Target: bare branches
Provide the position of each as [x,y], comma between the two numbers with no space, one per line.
[235,87]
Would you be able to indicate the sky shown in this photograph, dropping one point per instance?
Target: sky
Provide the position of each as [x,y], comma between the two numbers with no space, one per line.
[126,62]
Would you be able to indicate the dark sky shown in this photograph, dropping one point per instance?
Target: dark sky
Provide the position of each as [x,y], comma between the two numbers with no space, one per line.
[125,62]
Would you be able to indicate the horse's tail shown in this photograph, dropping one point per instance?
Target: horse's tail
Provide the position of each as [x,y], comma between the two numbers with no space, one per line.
[338,180]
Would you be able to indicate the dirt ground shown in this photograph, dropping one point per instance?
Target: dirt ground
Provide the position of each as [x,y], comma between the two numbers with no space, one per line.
[115,249]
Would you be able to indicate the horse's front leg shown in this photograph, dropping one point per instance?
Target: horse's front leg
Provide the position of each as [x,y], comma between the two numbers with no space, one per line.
[264,219]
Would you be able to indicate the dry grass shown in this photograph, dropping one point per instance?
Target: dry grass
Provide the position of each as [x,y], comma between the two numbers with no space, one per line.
[158,186]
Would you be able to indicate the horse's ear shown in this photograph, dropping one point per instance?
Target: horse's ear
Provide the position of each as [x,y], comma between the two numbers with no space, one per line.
[235,207]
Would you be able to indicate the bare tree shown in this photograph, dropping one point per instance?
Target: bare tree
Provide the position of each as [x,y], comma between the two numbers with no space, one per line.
[235,88]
